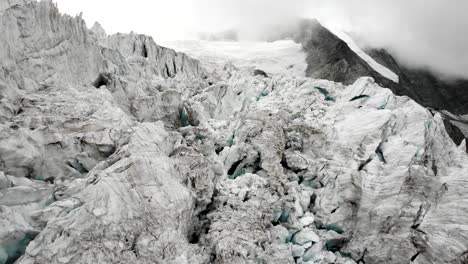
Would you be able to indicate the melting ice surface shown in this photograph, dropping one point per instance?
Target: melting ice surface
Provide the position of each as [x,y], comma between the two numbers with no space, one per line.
[278,57]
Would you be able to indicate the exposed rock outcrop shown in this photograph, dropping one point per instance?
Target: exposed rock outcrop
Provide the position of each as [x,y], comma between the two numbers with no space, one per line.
[329,57]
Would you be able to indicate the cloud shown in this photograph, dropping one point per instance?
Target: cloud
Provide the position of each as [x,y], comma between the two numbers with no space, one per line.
[182,19]
[421,33]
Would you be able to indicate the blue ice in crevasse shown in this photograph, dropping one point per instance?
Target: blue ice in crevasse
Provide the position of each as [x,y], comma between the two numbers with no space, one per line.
[262,94]
[184,118]
[238,172]
[359,97]
[281,216]
[332,227]
[230,141]
[327,95]
[11,252]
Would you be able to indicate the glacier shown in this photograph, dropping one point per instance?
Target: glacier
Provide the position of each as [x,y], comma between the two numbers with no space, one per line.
[114,149]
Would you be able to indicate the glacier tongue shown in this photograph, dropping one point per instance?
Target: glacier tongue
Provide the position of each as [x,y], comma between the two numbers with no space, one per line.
[145,156]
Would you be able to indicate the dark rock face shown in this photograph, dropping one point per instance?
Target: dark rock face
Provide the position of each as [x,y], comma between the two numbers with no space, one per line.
[454,132]
[425,88]
[260,73]
[329,57]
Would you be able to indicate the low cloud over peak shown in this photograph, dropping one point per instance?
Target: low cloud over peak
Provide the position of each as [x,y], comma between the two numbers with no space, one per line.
[430,34]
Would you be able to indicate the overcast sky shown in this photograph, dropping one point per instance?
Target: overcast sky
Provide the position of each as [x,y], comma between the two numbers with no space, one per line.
[424,33]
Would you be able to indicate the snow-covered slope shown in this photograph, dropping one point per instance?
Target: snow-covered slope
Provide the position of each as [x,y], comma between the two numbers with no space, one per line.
[384,71]
[149,158]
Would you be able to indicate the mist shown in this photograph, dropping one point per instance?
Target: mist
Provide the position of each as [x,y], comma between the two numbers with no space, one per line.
[184,19]
[430,34]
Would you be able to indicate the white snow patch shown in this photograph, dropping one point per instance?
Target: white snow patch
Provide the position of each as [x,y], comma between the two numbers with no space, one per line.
[382,70]
[279,57]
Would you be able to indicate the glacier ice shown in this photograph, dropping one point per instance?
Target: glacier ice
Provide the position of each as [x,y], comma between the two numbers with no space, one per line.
[114,149]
